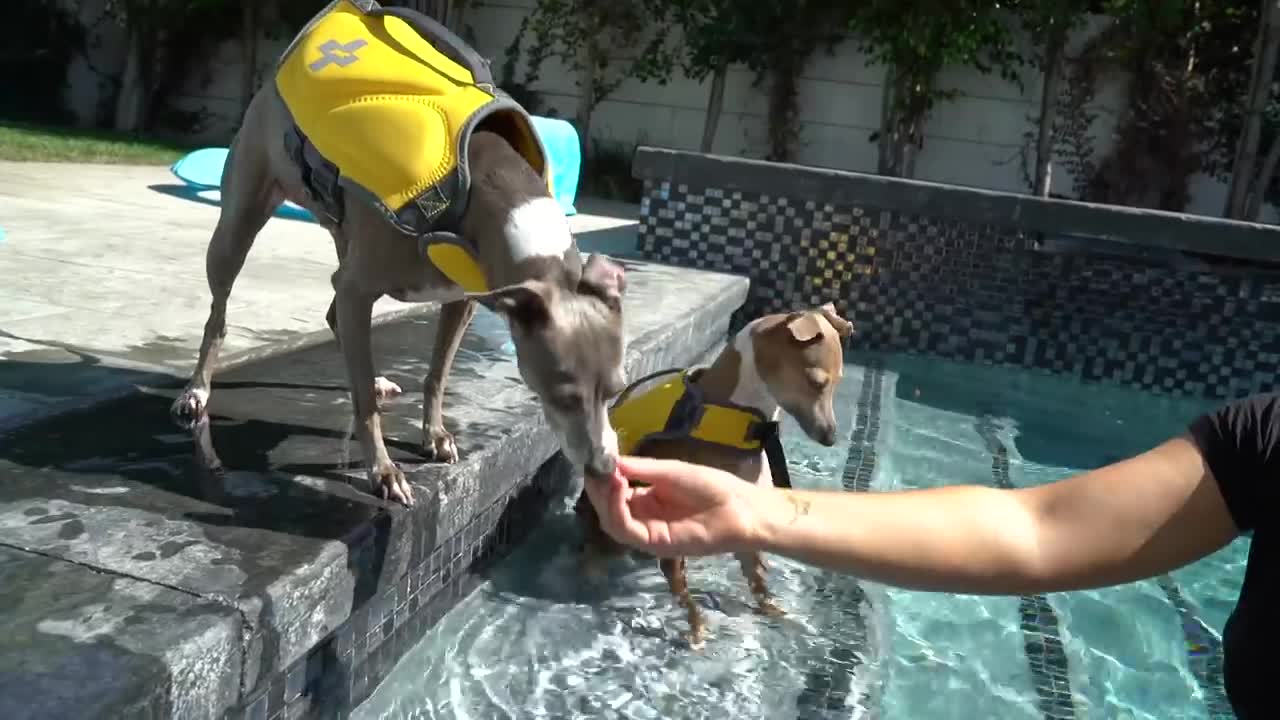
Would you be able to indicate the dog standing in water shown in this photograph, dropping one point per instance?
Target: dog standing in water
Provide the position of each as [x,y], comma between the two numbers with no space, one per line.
[726,416]
[432,182]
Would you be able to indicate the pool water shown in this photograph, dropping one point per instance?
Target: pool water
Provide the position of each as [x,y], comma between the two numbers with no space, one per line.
[538,640]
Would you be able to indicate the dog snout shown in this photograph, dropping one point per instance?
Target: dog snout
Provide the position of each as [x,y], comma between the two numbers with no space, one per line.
[601,465]
[826,435]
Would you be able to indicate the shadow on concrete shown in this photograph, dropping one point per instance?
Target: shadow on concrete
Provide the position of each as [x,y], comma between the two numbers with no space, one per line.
[192,194]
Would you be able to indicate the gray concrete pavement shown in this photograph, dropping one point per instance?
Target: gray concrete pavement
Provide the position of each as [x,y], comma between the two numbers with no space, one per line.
[102,281]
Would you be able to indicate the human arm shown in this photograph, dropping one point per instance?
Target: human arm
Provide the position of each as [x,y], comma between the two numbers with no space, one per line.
[1132,519]
[1129,520]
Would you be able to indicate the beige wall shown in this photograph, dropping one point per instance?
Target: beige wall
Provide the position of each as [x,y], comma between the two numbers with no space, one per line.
[974,140]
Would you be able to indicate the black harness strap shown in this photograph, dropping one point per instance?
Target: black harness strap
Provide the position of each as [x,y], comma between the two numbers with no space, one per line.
[777,458]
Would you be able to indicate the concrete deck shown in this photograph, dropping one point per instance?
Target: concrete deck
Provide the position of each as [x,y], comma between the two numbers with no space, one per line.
[103,276]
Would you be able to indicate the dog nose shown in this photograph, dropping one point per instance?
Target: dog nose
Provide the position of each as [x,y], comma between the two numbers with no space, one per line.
[827,435]
[601,465]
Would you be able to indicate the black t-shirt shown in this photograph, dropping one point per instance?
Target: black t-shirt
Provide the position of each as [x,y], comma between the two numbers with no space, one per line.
[1241,444]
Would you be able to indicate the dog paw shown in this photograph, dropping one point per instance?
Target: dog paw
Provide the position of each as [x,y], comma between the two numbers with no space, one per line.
[384,388]
[769,608]
[439,445]
[697,640]
[187,410]
[390,483]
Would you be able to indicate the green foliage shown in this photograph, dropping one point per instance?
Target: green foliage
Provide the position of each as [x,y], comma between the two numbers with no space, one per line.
[593,34]
[716,33]
[1188,66]
[918,38]
[34,62]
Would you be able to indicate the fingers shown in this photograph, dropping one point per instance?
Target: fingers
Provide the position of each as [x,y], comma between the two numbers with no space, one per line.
[651,470]
[610,498]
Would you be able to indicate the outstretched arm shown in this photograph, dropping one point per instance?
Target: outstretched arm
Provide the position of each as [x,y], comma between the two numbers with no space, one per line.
[1130,520]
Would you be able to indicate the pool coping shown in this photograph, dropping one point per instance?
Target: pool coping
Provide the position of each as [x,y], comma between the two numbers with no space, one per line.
[1051,217]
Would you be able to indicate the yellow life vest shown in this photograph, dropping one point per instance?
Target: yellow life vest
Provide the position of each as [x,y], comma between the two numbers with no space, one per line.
[383,102]
[676,409]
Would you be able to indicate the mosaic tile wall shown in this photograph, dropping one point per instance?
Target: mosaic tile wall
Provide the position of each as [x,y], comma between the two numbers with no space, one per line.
[342,670]
[977,293]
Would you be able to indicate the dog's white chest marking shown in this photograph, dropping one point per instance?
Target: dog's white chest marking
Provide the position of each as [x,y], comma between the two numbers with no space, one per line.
[538,228]
[751,390]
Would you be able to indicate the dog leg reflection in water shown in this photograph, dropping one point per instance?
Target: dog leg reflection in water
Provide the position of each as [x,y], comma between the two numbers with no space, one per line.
[726,415]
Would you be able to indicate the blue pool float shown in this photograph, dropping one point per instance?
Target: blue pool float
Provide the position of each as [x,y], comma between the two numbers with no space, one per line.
[201,170]
[564,152]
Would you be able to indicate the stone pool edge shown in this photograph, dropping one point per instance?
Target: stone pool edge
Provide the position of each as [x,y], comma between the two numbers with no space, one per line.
[160,377]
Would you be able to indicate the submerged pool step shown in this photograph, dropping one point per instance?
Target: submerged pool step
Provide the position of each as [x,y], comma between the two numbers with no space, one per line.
[1041,632]
[832,686]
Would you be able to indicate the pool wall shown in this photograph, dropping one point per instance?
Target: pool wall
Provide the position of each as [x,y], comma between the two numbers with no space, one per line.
[1164,302]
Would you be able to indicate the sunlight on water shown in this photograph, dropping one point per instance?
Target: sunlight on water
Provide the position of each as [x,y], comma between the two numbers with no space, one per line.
[539,641]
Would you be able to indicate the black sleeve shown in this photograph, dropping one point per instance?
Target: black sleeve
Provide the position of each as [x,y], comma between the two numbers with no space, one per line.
[1240,442]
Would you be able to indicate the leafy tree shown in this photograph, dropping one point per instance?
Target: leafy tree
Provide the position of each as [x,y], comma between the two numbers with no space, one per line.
[915,40]
[604,43]
[1051,22]
[164,42]
[1186,71]
[716,35]
[1249,179]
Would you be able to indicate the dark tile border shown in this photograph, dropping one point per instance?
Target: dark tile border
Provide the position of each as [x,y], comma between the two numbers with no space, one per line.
[829,679]
[1040,628]
[1204,651]
[342,670]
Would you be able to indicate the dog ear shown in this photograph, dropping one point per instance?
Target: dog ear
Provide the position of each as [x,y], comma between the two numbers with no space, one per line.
[526,303]
[604,279]
[843,327]
[804,327]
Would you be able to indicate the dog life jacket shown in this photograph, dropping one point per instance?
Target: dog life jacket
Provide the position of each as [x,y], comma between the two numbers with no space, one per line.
[676,409]
[383,103]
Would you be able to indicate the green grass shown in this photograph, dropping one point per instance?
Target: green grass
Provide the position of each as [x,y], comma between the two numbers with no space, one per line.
[35,143]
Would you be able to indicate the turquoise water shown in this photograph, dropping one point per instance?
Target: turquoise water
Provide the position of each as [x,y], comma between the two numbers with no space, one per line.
[954,656]
[539,641]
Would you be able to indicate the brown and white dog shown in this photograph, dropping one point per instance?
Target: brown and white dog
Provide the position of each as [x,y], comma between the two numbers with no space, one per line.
[565,314]
[787,362]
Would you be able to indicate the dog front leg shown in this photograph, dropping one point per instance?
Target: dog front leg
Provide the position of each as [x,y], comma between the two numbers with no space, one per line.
[437,442]
[355,314]
[677,581]
[382,387]
[753,569]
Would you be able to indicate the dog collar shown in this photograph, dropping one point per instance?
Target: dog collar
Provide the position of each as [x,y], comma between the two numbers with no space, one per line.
[675,408]
[453,257]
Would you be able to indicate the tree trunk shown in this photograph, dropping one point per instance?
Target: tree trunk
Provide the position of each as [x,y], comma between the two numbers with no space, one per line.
[888,123]
[1258,191]
[1264,63]
[715,103]
[131,102]
[587,84]
[1053,46]
[250,12]
[910,147]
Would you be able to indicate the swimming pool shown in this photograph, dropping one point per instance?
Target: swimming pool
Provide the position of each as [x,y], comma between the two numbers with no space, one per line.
[537,640]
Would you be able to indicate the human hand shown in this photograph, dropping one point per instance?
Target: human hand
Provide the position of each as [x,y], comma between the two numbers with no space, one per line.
[686,509]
